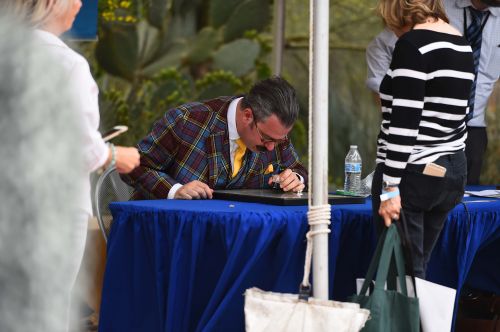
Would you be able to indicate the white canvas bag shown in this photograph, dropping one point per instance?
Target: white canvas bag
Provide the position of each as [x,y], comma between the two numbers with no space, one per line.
[436,303]
[277,312]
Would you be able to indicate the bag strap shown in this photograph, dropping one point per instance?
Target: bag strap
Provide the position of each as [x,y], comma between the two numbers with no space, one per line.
[373,263]
[388,247]
[407,248]
[405,241]
[408,252]
[392,246]
[400,262]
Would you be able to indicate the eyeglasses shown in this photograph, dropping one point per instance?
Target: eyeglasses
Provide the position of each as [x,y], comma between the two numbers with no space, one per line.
[266,139]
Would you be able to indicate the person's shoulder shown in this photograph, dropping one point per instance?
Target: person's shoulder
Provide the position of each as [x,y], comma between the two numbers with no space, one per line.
[417,38]
[202,107]
[387,35]
[421,38]
[495,11]
[455,3]
[73,58]
[55,47]
[199,111]
[218,103]
[386,38]
[409,40]
[205,108]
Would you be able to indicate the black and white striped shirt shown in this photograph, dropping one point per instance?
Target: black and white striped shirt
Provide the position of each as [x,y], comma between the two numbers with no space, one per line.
[424,98]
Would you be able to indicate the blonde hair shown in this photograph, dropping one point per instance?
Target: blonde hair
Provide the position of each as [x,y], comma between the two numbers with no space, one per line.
[36,12]
[398,14]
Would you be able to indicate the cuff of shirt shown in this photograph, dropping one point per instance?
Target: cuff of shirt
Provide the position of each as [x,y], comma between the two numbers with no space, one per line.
[173,190]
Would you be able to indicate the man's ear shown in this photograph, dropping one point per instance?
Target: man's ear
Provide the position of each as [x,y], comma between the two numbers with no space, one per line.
[247,115]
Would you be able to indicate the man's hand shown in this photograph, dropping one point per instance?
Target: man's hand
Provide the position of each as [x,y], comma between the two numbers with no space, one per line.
[194,190]
[390,208]
[289,181]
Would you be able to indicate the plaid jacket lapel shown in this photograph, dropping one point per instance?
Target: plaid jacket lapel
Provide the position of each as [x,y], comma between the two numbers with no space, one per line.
[217,145]
[217,149]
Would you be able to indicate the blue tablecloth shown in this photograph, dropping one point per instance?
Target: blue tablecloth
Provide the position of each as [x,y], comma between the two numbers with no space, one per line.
[184,265]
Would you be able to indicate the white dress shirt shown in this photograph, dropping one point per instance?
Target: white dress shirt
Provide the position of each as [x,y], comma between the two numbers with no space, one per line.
[85,103]
[233,132]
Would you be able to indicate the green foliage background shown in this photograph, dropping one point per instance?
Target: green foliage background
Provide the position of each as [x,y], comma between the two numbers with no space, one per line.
[155,54]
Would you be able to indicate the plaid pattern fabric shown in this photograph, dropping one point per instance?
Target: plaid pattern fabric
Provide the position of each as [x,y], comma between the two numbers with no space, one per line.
[190,143]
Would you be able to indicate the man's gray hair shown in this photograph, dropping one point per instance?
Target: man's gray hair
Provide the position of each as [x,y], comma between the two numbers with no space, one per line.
[273,96]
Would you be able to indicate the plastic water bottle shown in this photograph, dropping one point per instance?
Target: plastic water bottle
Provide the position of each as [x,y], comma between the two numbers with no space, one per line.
[352,181]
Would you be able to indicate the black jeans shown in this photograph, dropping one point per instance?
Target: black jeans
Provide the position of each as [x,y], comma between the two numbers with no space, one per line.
[475,147]
[426,202]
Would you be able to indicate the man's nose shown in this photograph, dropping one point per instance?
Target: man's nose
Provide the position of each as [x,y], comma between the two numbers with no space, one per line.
[269,146]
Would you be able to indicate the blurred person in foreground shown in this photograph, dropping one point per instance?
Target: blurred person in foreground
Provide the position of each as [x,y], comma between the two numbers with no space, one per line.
[479,22]
[421,165]
[223,143]
[50,19]
[42,179]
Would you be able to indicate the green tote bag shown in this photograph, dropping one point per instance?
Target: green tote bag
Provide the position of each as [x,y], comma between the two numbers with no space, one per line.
[391,311]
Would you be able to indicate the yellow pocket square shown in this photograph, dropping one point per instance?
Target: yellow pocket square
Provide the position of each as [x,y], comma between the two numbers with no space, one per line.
[269,169]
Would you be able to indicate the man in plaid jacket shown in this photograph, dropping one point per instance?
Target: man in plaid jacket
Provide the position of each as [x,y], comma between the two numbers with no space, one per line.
[192,149]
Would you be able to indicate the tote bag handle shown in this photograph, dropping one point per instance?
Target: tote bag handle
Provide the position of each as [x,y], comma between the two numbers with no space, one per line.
[402,226]
[389,246]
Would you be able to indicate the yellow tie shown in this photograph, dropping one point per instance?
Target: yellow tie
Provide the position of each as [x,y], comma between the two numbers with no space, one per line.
[238,156]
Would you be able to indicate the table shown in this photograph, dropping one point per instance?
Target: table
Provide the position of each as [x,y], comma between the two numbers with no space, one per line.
[184,265]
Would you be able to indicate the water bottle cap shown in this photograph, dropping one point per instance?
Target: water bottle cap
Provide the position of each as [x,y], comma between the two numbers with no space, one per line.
[354,146]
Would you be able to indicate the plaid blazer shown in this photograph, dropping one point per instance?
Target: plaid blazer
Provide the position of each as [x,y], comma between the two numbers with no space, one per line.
[191,142]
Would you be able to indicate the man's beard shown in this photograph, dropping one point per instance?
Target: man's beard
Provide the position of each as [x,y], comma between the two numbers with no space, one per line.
[491,3]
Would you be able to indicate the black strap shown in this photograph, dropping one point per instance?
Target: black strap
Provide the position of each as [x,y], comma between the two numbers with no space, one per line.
[482,25]
[405,240]
[407,247]
[408,252]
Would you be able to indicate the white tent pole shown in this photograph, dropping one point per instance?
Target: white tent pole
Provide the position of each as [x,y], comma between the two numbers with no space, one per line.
[279,36]
[318,101]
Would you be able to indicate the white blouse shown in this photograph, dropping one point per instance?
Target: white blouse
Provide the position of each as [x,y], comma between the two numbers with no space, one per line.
[85,103]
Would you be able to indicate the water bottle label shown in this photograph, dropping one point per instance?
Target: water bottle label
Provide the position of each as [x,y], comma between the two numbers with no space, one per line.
[353,167]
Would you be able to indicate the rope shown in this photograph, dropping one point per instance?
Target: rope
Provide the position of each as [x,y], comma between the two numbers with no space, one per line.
[317,215]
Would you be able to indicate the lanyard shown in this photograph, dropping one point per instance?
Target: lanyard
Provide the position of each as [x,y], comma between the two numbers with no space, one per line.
[482,25]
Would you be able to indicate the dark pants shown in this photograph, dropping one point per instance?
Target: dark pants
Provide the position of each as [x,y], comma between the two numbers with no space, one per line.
[475,147]
[426,201]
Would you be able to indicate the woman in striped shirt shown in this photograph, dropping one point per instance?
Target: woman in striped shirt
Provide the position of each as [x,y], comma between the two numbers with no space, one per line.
[424,95]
